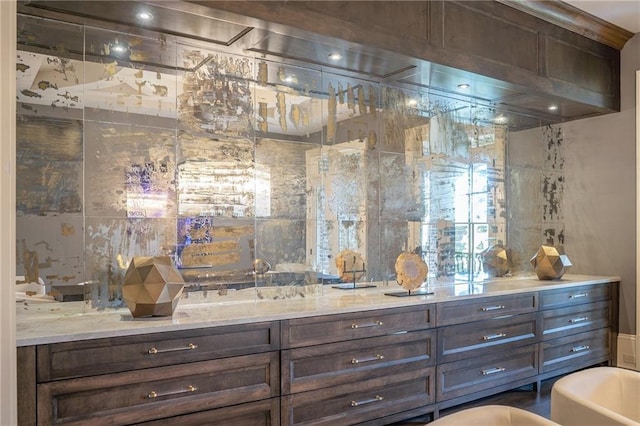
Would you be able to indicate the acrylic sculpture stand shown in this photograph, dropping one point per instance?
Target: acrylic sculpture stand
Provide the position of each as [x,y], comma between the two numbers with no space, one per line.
[409,293]
[353,285]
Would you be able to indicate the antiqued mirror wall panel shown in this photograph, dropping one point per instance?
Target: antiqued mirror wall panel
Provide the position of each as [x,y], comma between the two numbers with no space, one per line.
[342,177]
[215,244]
[536,180]
[253,174]
[50,156]
[402,176]
[290,111]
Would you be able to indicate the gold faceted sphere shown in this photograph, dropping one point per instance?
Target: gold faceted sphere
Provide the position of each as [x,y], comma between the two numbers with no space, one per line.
[550,262]
[152,286]
[495,260]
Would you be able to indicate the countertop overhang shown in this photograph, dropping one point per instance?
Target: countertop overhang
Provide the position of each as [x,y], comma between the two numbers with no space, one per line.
[44,323]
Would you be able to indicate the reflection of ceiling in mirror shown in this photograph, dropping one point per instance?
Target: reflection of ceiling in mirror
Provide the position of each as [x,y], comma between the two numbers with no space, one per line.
[68,83]
[311,108]
[315,108]
[44,80]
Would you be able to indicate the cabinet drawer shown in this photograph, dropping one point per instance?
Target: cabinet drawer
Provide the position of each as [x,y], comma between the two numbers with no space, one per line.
[575,351]
[476,374]
[465,340]
[132,397]
[260,413]
[574,296]
[360,401]
[110,355]
[485,308]
[575,319]
[316,367]
[336,328]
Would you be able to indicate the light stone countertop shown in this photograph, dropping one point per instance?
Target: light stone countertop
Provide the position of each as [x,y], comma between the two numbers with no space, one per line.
[41,323]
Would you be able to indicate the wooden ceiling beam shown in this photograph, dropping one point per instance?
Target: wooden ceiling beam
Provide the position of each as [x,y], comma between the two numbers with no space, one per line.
[573,19]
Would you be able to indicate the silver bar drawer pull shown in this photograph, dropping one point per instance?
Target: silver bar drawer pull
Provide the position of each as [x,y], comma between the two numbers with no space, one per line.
[366,401]
[493,370]
[493,336]
[580,348]
[577,295]
[377,357]
[492,308]
[371,324]
[154,350]
[154,394]
[579,319]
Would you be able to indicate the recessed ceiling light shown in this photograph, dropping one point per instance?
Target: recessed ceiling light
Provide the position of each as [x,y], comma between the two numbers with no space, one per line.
[118,47]
[335,56]
[290,78]
[501,119]
[144,15]
[552,107]
[412,102]
[119,50]
[464,86]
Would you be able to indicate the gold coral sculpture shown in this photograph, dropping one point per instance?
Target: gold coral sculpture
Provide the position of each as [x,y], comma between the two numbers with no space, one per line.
[411,271]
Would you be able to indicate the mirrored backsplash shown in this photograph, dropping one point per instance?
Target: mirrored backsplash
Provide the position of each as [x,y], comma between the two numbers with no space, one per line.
[132,146]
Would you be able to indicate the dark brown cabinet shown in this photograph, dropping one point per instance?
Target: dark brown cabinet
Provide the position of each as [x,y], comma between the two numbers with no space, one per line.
[340,327]
[474,377]
[359,367]
[140,395]
[486,345]
[492,344]
[578,328]
[135,379]
[370,367]
[468,310]
[575,351]
[259,413]
[456,342]
[320,366]
[127,353]
[376,401]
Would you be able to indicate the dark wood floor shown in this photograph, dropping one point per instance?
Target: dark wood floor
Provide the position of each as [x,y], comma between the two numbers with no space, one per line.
[524,397]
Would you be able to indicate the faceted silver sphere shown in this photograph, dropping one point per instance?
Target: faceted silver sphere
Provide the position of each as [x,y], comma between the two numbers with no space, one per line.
[550,262]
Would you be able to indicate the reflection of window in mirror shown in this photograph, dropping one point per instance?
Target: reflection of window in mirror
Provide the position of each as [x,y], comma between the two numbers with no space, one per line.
[464,193]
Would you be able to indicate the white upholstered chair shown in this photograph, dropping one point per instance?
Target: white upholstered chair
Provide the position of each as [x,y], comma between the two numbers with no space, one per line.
[597,396]
[493,415]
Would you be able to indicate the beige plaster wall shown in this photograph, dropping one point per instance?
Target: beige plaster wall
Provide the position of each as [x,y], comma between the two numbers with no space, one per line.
[600,191]
[597,215]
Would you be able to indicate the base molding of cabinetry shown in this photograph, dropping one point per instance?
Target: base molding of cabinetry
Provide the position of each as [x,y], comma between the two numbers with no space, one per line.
[627,356]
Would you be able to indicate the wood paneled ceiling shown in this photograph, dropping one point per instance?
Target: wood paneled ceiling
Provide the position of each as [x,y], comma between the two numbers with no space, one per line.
[192,23]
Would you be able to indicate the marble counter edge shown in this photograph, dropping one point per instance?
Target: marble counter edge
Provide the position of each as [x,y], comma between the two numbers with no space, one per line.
[116,323]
